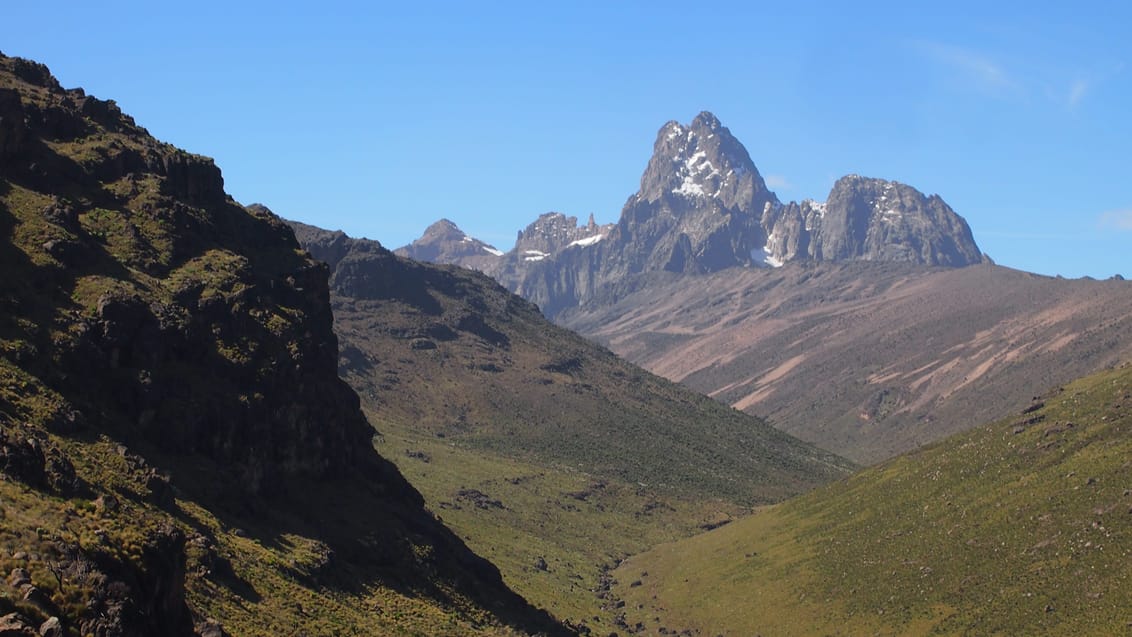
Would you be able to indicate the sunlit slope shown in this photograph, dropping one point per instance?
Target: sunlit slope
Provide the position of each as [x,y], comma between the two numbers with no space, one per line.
[1021,527]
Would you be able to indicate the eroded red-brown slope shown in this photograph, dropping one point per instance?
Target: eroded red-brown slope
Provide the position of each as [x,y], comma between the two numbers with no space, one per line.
[869,360]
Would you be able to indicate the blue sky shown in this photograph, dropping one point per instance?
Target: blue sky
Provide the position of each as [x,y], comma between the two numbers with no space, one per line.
[379,118]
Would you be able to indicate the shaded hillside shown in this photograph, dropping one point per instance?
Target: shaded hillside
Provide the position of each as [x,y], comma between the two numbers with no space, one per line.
[176,445]
[453,352]
[1022,527]
[867,359]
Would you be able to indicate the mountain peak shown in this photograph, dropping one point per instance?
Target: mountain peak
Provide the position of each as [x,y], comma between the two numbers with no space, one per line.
[702,160]
[871,219]
[703,207]
[706,120]
[444,228]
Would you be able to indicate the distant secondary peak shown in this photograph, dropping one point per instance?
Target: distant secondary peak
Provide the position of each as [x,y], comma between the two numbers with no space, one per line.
[445,242]
[443,224]
[443,230]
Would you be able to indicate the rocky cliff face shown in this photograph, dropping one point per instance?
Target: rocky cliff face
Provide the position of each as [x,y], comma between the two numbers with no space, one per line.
[703,207]
[142,309]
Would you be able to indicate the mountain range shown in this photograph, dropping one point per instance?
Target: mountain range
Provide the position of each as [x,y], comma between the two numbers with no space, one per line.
[703,207]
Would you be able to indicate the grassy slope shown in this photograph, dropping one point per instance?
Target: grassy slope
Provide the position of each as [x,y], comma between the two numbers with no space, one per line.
[1020,527]
[456,355]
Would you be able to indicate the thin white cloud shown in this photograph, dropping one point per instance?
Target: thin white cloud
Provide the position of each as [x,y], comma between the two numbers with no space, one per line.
[1077,91]
[974,68]
[1117,220]
[778,181]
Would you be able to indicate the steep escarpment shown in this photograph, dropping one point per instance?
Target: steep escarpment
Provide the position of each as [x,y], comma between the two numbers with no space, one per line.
[174,431]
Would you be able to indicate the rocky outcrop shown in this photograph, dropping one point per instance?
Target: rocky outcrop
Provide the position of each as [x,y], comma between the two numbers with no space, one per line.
[12,130]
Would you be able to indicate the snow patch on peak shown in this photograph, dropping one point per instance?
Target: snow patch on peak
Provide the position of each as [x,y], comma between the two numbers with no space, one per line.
[766,255]
[467,239]
[492,250]
[689,188]
[534,255]
[695,159]
[588,241]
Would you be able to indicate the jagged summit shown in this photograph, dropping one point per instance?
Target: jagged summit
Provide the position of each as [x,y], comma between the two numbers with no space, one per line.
[702,160]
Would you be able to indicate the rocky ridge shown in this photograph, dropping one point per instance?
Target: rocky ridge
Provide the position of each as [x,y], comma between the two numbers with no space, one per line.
[703,207]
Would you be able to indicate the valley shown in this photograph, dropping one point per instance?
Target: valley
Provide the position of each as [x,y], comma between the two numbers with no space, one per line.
[722,414]
[548,454]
